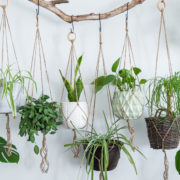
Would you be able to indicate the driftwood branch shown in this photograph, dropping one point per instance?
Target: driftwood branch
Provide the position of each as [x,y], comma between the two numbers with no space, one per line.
[51,6]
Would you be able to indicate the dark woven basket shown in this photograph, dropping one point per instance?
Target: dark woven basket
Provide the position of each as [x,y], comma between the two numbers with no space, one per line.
[114,156]
[162,124]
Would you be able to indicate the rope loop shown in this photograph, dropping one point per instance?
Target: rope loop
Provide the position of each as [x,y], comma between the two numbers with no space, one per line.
[71,36]
[4,6]
[161,5]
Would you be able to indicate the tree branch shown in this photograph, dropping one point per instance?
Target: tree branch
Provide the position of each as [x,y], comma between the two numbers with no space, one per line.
[50,5]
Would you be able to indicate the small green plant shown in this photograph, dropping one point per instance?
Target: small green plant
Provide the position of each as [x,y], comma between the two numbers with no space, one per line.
[94,140]
[124,79]
[39,115]
[7,82]
[4,158]
[164,93]
[74,93]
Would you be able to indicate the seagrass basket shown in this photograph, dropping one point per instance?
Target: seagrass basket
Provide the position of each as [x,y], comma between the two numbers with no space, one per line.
[163,132]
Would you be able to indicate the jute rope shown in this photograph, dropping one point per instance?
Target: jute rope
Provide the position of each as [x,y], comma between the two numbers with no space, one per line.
[127,53]
[44,153]
[9,144]
[70,69]
[163,26]
[38,50]
[100,176]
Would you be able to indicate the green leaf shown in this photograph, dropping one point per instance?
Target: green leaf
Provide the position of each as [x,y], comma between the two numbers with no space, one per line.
[108,79]
[136,70]
[99,83]
[115,65]
[79,88]
[36,149]
[143,81]
[177,160]
[78,66]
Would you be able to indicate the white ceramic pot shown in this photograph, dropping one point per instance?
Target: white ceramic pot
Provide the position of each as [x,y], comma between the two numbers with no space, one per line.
[75,114]
[4,107]
[128,104]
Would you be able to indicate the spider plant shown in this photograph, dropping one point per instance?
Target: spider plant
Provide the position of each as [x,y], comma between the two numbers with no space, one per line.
[7,82]
[124,79]
[164,94]
[93,141]
[74,93]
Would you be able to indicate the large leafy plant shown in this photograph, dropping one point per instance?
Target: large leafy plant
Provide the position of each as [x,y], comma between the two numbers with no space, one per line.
[75,88]
[39,115]
[4,158]
[8,79]
[94,140]
[124,79]
[164,94]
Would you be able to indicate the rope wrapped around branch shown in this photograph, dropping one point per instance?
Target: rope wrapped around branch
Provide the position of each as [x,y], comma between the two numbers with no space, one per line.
[132,132]
[9,144]
[44,153]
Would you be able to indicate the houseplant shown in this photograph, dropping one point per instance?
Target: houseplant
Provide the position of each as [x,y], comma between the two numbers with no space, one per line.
[39,115]
[128,101]
[75,112]
[164,105]
[4,158]
[102,151]
[11,86]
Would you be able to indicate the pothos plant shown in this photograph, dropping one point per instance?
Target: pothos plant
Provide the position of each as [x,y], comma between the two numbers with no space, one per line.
[7,81]
[124,79]
[75,89]
[93,141]
[39,115]
[4,158]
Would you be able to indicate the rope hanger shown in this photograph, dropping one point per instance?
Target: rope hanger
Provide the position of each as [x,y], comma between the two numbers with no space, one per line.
[5,59]
[69,75]
[38,50]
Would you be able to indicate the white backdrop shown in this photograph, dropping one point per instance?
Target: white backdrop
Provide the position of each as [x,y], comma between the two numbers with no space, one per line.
[143,26]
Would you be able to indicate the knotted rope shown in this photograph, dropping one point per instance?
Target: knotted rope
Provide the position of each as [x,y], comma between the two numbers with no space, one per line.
[44,153]
[9,144]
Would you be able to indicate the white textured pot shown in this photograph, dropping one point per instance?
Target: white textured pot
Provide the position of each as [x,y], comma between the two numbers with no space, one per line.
[75,114]
[4,107]
[128,104]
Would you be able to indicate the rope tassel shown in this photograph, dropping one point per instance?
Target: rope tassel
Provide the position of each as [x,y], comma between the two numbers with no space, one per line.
[166,164]
[9,145]
[44,153]
[75,149]
[132,132]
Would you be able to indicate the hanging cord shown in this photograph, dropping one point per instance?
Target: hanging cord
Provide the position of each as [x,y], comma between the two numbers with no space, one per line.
[71,67]
[9,144]
[100,176]
[44,153]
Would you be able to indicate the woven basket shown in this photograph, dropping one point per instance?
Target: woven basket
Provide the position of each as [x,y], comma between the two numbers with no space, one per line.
[114,156]
[128,104]
[158,127]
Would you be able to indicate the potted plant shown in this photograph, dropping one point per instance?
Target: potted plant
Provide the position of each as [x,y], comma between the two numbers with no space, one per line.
[128,101]
[11,87]
[164,105]
[102,151]
[75,112]
[4,158]
[39,115]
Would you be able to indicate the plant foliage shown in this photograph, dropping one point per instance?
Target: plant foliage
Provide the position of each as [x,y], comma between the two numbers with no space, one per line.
[8,80]
[4,158]
[94,140]
[124,79]
[74,93]
[39,115]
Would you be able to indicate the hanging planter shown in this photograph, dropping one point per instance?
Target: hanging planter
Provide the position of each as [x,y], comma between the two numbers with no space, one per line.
[163,124]
[75,114]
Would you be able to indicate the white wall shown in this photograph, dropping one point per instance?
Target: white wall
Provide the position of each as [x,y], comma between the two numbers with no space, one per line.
[143,27]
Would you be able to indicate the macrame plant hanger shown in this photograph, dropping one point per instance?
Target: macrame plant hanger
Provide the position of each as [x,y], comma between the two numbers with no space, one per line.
[5,32]
[38,53]
[69,75]
[162,6]
[127,53]
[94,96]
